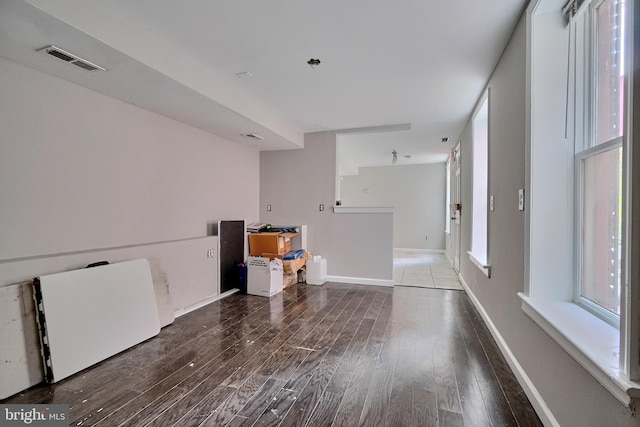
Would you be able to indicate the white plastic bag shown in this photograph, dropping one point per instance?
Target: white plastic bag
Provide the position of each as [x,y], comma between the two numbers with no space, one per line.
[275,264]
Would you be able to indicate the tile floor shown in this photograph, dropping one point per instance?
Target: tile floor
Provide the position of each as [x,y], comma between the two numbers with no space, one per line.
[424,270]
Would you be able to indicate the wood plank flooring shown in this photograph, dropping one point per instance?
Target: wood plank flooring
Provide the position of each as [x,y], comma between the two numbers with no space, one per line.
[331,355]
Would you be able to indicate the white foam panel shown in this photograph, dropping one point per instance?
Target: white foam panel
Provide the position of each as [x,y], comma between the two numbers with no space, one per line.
[88,315]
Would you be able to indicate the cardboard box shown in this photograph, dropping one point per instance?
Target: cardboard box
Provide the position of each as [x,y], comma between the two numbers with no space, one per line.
[272,242]
[289,279]
[264,278]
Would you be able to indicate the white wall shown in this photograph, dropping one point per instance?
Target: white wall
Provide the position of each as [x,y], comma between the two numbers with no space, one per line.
[417,193]
[80,172]
[296,182]
[571,395]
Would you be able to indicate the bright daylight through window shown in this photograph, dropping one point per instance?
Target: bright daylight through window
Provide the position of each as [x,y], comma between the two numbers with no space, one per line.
[599,164]
[479,221]
[447,195]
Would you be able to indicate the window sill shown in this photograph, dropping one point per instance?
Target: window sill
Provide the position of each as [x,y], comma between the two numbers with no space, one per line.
[483,266]
[592,342]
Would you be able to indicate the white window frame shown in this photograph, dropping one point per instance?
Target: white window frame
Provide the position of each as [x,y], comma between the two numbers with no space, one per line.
[479,253]
[447,196]
[608,353]
[585,140]
[584,302]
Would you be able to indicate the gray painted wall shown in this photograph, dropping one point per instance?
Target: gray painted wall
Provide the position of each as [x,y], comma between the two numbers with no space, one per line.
[415,191]
[574,397]
[82,172]
[296,182]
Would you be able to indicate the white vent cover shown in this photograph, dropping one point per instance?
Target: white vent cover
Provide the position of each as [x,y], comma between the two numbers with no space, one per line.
[65,56]
[253,136]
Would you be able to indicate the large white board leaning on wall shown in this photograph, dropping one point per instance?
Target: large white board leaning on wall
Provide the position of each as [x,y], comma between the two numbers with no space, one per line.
[88,315]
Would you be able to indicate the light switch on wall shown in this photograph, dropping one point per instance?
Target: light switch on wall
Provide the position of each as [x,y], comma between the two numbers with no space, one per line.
[521,199]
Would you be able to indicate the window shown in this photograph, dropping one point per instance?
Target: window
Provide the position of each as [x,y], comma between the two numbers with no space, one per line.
[479,253]
[599,157]
[577,277]
[447,197]
[600,184]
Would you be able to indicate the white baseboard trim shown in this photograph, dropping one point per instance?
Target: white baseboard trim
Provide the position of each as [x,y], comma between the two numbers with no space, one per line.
[538,403]
[448,257]
[420,251]
[183,311]
[360,281]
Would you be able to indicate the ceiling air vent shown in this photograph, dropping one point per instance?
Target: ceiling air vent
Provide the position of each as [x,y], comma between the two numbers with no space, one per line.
[70,58]
[253,136]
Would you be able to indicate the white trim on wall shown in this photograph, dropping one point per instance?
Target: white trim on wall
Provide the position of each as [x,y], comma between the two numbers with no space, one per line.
[355,209]
[538,403]
[183,311]
[420,251]
[360,281]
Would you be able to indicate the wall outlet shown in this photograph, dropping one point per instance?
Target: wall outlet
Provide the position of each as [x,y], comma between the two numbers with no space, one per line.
[321,207]
[268,208]
[491,203]
[210,253]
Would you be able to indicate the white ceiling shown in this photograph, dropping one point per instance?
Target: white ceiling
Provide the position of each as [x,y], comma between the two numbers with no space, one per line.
[416,62]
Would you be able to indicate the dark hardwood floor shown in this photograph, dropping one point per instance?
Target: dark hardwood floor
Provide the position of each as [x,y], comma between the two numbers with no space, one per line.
[331,355]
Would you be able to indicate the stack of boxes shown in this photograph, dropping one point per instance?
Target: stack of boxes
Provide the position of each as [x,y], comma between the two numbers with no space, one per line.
[275,245]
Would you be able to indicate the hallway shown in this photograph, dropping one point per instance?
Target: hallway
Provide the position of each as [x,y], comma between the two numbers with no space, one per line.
[424,270]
